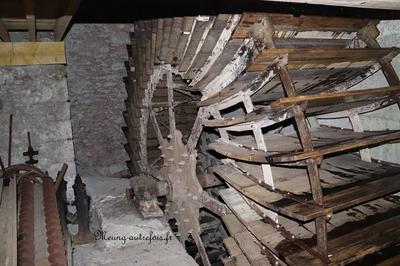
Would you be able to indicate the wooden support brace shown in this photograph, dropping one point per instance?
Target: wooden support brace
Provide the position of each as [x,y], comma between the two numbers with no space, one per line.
[156,127]
[171,111]
[312,165]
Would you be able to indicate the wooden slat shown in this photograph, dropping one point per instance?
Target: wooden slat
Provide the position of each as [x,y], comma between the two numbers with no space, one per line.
[321,58]
[240,153]
[208,45]
[379,137]
[195,41]
[343,198]
[357,140]
[28,53]
[287,22]
[248,244]
[323,99]
[264,115]
[232,247]
[357,244]
[22,24]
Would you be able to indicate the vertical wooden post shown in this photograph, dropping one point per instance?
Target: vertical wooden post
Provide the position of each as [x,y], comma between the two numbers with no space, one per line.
[171,111]
[30,19]
[312,166]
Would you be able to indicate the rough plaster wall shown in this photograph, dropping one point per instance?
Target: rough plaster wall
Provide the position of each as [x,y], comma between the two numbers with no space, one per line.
[387,118]
[96,55]
[37,97]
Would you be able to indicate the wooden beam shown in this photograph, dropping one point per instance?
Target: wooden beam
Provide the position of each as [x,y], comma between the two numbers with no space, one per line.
[32,53]
[4,36]
[22,24]
[376,4]
[63,22]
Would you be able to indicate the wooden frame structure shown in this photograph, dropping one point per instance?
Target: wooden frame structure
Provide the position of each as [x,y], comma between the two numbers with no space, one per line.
[33,16]
[289,193]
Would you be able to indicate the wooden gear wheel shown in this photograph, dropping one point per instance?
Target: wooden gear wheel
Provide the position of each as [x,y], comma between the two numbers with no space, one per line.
[251,86]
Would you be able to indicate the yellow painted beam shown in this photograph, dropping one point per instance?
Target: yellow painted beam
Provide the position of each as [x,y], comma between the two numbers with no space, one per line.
[32,53]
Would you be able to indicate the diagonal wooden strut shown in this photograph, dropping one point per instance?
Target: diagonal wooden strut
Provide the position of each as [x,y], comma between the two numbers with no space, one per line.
[312,165]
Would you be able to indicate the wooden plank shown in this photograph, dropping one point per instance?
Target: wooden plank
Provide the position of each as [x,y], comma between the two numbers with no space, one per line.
[380,137]
[322,58]
[208,45]
[232,247]
[356,245]
[4,36]
[288,22]
[240,153]
[196,41]
[331,98]
[233,225]
[239,207]
[355,194]
[340,199]
[264,115]
[32,53]
[250,248]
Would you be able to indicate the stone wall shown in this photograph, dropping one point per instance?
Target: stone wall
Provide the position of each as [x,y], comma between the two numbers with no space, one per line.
[95,56]
[37,96]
